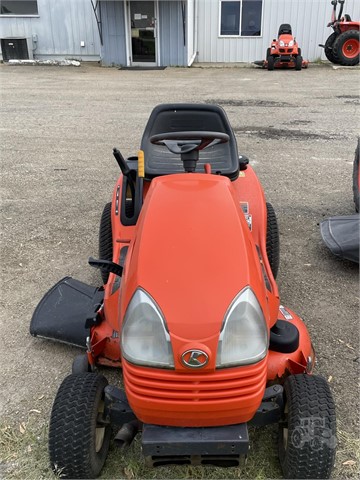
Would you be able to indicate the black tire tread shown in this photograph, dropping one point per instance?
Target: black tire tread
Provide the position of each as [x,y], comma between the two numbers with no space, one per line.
[329,48]
[356,176]
[105,239]
[271,63]
[272,240]
[308,396]
[71,431]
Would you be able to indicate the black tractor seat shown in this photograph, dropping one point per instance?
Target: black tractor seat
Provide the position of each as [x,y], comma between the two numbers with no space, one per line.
[285,29]
[183,117]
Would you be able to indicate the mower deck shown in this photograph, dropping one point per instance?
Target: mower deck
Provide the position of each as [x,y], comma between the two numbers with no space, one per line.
[281,64]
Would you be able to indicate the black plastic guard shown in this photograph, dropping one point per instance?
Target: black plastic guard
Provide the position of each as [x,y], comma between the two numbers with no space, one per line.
[62,312]
[342,236]
[170,441]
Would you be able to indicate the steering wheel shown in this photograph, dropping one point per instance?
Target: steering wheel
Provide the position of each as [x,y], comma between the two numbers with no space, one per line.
[186,142]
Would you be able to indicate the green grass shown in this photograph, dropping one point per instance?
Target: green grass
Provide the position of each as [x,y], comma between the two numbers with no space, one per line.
[24,455]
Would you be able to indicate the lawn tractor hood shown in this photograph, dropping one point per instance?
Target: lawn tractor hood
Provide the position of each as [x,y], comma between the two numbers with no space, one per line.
[193,254]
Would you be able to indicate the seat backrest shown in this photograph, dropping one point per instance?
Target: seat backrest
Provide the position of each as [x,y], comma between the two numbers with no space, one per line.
[284,29]
[182,117]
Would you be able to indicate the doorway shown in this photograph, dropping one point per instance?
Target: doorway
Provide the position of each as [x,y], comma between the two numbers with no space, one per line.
[143,33]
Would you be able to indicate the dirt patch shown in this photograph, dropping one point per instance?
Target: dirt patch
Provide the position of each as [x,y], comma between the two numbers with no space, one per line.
[300,122]
[349,96]
[249,103]
[270,133]
[350,99]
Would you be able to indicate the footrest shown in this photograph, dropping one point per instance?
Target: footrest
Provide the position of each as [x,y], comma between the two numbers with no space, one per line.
[216,445]
[62,312]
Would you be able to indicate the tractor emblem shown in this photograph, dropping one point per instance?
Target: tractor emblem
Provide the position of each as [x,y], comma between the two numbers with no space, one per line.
[194,358]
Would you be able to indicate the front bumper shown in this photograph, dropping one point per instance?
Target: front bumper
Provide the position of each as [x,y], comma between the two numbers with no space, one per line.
[223,446]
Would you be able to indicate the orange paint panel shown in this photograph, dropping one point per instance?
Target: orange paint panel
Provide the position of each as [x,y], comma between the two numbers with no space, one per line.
[194,269]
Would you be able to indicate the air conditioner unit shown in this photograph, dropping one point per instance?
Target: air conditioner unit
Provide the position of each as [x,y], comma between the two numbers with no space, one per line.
[15,48]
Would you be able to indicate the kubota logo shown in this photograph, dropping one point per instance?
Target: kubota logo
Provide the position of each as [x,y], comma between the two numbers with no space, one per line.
[194,358]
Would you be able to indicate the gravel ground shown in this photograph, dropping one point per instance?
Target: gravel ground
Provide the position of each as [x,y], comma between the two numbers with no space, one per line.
[58,127]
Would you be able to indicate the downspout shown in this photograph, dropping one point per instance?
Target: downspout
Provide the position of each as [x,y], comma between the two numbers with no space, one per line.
[196,20]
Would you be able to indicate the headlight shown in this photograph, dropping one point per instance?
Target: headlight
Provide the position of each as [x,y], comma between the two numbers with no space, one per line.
[291,43]
[144,337]
[244,334]
[282,43]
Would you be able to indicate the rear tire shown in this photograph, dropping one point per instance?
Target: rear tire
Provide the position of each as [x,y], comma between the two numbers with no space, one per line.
[105,239]
[329,48]
[307,438]
[356,178]
[78,445]
[272,240]
[346,48]
[271,63]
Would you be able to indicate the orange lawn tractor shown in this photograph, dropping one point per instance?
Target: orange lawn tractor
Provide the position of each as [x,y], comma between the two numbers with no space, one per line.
[342,46]
[189,310]
[284,51]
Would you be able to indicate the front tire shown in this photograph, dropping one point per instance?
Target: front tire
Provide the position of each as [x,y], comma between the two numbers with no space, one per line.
[346,48]
[298,62]
[309,413]
[271,63]
[78,444]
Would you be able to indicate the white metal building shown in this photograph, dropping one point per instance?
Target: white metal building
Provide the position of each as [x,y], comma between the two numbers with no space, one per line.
[162,32]
[241,30]
[51,29]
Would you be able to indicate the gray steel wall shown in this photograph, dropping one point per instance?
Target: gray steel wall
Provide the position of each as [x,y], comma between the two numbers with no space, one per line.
[113,51]
[60,27]
[172,49]
[307,17]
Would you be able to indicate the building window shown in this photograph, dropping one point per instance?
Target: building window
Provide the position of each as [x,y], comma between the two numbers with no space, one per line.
[18,7]
[240,18]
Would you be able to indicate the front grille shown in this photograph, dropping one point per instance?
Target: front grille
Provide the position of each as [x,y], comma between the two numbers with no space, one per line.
[222,385]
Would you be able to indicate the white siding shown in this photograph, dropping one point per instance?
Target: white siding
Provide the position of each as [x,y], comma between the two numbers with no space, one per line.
[308,19]
[59,28]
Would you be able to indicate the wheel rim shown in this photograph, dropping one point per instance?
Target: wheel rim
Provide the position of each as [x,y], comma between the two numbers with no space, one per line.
[350,48]
[100,430]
